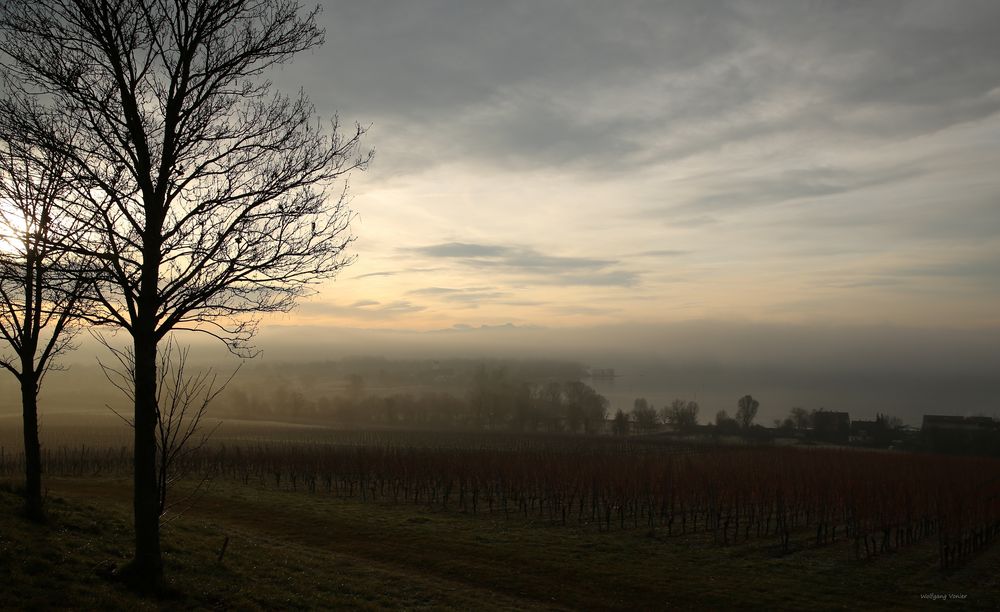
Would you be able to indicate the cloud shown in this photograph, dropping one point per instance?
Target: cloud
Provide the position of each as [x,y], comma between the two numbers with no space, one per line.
[488,255]
[371,310]
[397,272]
[601,85]
[529,265]
[861,283]
[553,136]
[373,274]
[468,296]
[433,291]
[461,249]
[450,54]
[477,296]
[578,309]
[400,307]
[984,270]
[666,253]
[792,184]
[600,279]
[591,146]
[522,303]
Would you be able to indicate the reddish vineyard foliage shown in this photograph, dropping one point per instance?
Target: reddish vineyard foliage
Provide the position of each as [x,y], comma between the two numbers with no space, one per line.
[878,501]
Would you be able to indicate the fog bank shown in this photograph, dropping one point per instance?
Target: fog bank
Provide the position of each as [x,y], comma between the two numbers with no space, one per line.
[863,370]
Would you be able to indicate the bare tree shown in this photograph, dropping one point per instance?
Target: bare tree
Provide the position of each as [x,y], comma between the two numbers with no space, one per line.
[182,403]
[584,407]
[595,412]
[643,415]
[216,199]
[682,415]
[801,418]
[619,425]
[746,411]
[41,285]
[551,398]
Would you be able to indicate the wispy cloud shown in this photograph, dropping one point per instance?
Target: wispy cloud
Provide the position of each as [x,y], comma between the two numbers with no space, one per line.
[491,255]
[467,297]
[462,250]
[374,274]
[362,310]
[433,291]
[790,185]
[530,265]
[658,253]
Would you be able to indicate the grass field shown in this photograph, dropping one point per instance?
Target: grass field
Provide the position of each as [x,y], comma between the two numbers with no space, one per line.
[302,551]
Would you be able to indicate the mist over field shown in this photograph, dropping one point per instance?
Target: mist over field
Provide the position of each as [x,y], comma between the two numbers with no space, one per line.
[862,370]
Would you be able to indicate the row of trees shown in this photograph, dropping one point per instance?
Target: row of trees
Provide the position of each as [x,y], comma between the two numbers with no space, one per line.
[495,401]
[680,414]
[153,181]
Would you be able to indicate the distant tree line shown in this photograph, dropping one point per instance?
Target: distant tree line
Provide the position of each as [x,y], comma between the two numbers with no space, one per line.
[494,400]
[679,414]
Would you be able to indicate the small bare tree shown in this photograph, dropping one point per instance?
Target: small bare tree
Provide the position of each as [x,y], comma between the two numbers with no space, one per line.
[41,284]
[214,198]
[182,402]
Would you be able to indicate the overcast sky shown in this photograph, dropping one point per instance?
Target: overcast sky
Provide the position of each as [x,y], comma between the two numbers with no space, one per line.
[572,163]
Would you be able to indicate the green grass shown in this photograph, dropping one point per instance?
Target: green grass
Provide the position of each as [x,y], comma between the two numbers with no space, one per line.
[300,551]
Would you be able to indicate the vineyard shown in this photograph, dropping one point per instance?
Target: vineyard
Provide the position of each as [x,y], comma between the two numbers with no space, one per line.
[875,502]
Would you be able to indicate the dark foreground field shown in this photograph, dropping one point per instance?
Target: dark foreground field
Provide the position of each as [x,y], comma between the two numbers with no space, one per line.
[298,550]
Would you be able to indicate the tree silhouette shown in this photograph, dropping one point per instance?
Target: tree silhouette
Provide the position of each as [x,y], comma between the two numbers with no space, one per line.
[643,415]
[682,415]
[595,411]
[801,418]
[584,407]
[211,194]
[41,284]
[619,425]
[550,398]
[575,393]
[746,411]
[491,397]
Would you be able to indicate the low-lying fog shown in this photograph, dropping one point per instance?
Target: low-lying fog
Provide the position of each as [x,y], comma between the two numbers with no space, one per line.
[861,370]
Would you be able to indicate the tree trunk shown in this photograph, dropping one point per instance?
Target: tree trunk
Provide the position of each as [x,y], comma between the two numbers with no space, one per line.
[32,448]
[148,564]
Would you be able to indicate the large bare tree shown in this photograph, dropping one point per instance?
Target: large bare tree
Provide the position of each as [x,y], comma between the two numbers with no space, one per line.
[216,198]
[41,285]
